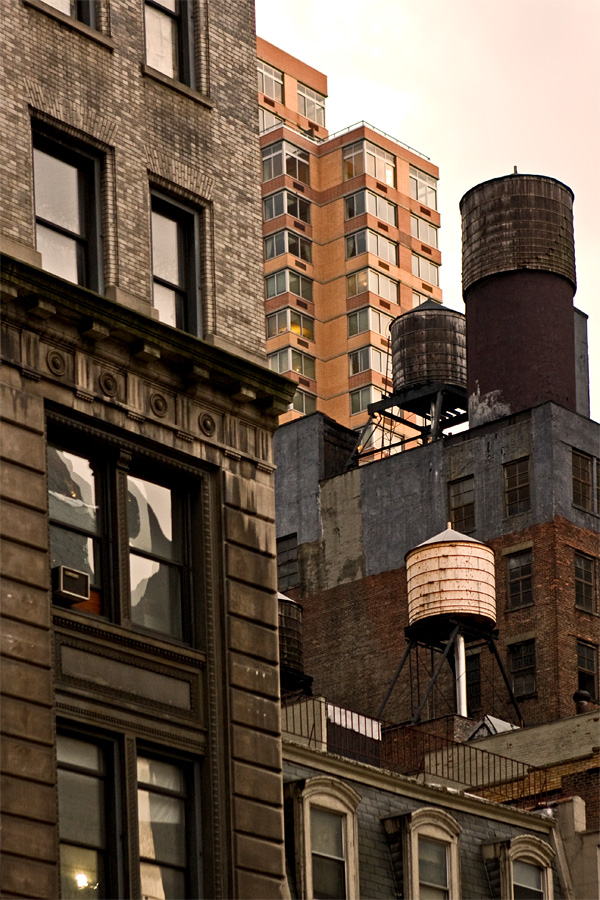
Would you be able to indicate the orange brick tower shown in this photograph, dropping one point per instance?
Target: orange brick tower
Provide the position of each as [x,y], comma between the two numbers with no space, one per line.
[350,227]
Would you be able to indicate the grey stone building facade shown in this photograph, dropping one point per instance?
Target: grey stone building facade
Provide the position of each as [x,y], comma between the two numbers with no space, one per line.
[140,715]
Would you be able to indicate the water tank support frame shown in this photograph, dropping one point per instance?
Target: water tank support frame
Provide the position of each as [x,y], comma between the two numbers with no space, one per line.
[483,635]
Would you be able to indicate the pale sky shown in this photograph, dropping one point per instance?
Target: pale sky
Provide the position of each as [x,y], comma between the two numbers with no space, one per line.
[479,86]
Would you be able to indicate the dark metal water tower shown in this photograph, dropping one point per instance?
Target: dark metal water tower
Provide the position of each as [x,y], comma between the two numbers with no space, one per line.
[429,372]
[291,660]
[518,287]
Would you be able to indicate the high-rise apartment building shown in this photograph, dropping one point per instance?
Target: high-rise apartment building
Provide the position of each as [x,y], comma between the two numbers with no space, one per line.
[350,227]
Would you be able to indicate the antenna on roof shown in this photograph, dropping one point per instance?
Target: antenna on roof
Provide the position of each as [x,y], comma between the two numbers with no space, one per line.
[515,170]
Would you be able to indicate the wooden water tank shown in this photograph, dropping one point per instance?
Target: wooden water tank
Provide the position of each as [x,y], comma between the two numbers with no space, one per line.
[451,576]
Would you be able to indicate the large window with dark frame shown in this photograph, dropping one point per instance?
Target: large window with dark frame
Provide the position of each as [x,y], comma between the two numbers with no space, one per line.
[176,264]
[522,668]
[582,480]
[87,495]
[473,674]
[587,668]
[585,581]
[169,38]
[517,496]
[66,185]
[461,504]
[519,579]
[93,815]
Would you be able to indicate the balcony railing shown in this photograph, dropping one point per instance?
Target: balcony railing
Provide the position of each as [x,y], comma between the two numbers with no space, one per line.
[409,751]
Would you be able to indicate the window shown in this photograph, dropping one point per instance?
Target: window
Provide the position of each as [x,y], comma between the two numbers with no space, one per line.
[290,320]
[84,504]
[369,280]
[286,202]
[66,184]
[267,119]
[461,503]
[585,582]
[91,791]
[288,242]
[522,867]
[473,672]
[287,562]
[432,867]
[286,280]
[304,403]
[371,242]
[162,828]
[366,157]
[169,38]
[311,104]
[83,807]
[360,399]
[582,480]
[270,81]
[367,358]
[327,847]
[423,187]
[368,319]
[522,668]
[290,360]
[587,668]
[285,158]
[424,269]
[424,231]
[516,487]
[81,10]
[520,589]
[175,267]
[368,202]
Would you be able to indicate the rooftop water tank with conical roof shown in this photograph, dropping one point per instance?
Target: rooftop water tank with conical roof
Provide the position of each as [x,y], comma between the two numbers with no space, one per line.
[450,575]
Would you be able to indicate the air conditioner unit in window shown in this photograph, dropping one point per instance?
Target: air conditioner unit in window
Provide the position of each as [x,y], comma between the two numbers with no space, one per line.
[69,586]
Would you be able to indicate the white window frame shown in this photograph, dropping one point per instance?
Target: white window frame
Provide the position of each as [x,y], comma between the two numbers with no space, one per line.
[275,76]
[367,358]
[368,158]
[436,825]
[423,187]
[374,205]
[424,231]
[423,268]
[375,282]
[377,322]
[368,241]
[366,391]
[332,796]
[524,848]
[309,101]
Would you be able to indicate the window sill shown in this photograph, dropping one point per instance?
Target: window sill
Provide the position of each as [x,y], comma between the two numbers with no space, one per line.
[589,612]
[72,23]
[178,86]
[511,609]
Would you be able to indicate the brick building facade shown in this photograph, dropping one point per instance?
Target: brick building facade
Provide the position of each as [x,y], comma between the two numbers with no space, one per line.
[140,716]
